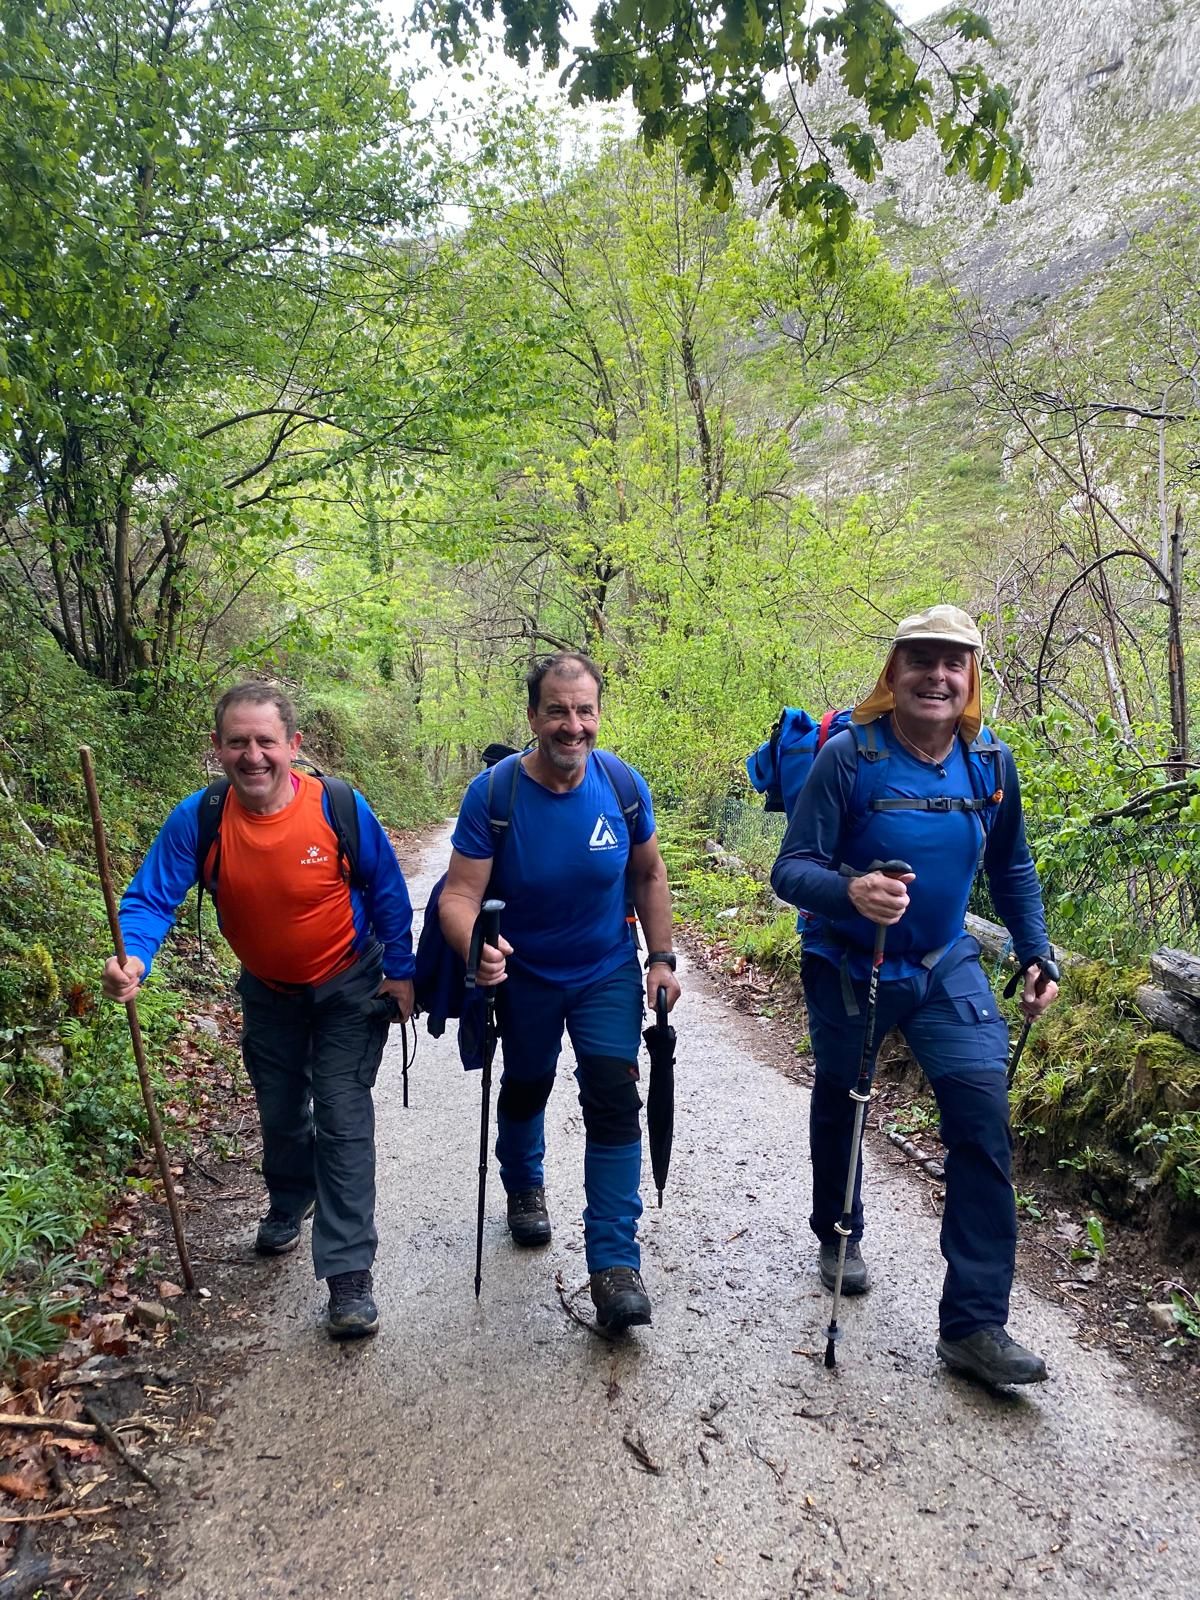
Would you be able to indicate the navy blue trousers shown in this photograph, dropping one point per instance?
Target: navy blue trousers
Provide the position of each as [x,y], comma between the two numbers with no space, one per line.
[604,1022]
[952,1025]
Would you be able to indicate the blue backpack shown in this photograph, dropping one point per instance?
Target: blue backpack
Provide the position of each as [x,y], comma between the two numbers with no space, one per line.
[779,768]
[439,983]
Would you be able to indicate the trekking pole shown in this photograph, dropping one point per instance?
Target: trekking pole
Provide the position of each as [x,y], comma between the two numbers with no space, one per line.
[1050,974]
[131,1012]
[487,931]
[860,1094]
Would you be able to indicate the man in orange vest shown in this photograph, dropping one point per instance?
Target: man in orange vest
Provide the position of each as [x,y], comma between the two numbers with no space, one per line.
[326,952]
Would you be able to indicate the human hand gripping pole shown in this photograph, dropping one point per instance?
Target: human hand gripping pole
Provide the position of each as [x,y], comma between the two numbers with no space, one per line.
[860,1094]
[485,931]
[131,1013]
[1049,973]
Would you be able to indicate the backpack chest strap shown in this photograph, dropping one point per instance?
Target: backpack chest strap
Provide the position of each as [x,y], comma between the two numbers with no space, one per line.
[931,802]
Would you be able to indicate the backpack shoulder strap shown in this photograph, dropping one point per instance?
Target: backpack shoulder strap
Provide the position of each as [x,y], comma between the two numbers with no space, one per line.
[503,779]
[208,823]
[985,764]
[208,834]
[343,813]
[872,746]
[621,782]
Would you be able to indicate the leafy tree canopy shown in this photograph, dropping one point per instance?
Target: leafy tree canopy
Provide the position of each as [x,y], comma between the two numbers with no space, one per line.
[723,79]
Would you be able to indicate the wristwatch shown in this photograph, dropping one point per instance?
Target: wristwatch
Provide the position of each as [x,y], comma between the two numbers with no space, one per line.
[663,957]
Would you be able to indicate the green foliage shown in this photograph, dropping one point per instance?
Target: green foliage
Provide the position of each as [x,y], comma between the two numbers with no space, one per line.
[1186,1309]
[774,944]
[37,1229]
[920,1116]
[1172,1140]
[1108,878]
[703,78]
[199,308]
[360,734]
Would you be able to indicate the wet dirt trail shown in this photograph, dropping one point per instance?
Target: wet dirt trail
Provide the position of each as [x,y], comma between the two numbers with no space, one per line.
[496,1448]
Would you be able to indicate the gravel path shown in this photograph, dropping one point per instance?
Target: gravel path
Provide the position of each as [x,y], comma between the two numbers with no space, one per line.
[496,1448]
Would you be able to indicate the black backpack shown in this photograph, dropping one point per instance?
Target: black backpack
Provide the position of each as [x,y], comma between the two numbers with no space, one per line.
[342,809]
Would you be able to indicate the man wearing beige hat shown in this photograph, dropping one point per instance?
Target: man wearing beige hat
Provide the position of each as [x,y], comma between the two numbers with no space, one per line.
[917,778]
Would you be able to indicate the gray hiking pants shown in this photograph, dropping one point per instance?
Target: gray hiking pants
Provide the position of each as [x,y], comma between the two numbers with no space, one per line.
[312,1056]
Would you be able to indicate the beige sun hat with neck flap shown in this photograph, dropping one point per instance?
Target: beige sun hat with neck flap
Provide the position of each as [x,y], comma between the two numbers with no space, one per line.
[943,625]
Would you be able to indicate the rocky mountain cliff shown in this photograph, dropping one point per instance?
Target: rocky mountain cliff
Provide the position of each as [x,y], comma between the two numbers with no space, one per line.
[1107,99]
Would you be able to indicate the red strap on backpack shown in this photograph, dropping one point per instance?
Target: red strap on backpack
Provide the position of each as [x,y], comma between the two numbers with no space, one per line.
[823,729]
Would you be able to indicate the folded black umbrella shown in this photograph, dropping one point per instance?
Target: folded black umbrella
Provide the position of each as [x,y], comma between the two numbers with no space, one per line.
[660,1098]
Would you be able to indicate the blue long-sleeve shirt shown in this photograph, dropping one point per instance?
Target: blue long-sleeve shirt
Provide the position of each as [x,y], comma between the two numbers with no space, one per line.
[831,828]
[381,907]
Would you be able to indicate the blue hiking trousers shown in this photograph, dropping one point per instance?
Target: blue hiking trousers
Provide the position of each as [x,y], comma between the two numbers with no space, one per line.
[603,1020]
[953,1026]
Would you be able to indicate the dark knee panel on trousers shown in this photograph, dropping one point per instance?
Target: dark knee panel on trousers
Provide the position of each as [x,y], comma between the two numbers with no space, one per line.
[609,1096]
[522,1098]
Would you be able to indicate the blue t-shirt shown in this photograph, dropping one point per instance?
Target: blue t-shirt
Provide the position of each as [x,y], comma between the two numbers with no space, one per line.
[562,872]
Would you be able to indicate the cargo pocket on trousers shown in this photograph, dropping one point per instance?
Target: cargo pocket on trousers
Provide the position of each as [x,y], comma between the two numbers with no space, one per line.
[983,1039]
[377,1012]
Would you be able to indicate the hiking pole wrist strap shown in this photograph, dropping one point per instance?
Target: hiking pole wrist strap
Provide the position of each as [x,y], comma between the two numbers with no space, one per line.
[1047,965]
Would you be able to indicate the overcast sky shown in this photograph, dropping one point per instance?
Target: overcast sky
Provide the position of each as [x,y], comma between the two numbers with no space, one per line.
[446,85]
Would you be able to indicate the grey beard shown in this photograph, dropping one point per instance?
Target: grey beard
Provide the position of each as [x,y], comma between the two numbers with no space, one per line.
[568,761]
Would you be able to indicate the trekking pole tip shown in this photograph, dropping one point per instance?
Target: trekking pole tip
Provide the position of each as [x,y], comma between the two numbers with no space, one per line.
[831,1352]
[660,1199]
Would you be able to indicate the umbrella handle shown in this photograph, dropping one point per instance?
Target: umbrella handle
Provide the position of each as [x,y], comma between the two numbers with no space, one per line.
[660,1005]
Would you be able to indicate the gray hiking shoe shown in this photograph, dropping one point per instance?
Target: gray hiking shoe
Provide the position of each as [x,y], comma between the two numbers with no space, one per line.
[620,1299]
[992,1357]
[352,1310]
[855,1277]
[279,1231]
[528,1219]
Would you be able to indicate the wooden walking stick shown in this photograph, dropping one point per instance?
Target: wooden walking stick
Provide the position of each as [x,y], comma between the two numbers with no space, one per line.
[131,1011]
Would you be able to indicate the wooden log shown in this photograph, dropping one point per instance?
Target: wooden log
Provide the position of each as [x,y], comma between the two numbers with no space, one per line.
[1170,1014]
[1176,971]
[993,939]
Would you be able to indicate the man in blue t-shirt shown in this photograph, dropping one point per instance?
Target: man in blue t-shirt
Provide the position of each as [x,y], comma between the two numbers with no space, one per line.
[567,957]
[917,779]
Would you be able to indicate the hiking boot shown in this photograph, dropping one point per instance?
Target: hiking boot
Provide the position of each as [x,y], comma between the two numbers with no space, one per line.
[620,1299]
[352,1311]
[991,1356]
[279,1231]
[528,1219]
[855,1277]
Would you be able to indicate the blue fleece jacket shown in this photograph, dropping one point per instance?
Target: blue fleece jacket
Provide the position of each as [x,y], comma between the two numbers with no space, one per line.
[832,827]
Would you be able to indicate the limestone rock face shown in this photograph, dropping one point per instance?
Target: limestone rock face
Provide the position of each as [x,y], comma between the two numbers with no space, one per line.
[1107,99]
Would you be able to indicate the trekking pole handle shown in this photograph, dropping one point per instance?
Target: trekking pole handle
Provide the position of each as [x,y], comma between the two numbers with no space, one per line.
[889,869]
[1049,970]
[660,1006]
[894,869]
[485,931]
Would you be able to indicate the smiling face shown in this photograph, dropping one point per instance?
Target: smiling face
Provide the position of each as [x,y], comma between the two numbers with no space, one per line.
[931,683]
[566,719]
[256,755]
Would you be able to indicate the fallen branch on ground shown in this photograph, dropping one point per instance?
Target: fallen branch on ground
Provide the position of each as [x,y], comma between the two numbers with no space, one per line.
[930,1164]
[110,1438]
[76,1430]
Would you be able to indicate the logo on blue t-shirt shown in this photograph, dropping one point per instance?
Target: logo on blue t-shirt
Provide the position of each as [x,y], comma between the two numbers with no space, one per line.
[603,837]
